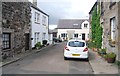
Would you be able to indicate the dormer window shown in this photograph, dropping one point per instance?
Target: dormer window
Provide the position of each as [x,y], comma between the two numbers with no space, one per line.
[85,25]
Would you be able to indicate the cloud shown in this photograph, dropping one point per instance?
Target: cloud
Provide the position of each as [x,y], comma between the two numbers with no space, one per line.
[60,9]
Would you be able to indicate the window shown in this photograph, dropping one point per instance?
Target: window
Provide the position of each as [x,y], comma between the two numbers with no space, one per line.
[85,25]
[76,35]
[37,34]
[37,17]
[112,26]
[102,10]
[44,20]
[6,40]
[63,35]
[76,44]
[112,3]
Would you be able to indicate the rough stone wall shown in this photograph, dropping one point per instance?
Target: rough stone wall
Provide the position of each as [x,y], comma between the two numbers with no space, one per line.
[119,31]
[0,30]
[108,14]
[17,18]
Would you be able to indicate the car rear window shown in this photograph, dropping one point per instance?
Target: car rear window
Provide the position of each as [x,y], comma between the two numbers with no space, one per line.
[76,44]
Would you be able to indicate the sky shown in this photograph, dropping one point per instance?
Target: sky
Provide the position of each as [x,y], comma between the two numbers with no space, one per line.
[65,9]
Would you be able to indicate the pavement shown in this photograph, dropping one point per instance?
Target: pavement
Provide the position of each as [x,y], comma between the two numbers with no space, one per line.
[99,65]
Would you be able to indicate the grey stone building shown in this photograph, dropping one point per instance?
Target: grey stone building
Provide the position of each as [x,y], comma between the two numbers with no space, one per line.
[0,29]
[15,27]
[110,21]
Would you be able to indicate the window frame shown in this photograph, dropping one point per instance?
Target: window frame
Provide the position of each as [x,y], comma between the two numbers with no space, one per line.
[112,3]
[8,41]
[76,35]
[112,27]
[37,17]
[63,34]
[85,25]
[44,20]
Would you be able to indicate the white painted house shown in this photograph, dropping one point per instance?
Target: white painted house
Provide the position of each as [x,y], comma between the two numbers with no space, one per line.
[39,25]
[73,28]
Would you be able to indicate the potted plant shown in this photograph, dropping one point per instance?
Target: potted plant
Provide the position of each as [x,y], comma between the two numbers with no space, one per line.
[38,45]
[111,57]
[105,57]
[102,52]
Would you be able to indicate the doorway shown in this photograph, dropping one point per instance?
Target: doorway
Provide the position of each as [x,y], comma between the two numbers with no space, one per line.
[83,36]
[27,36]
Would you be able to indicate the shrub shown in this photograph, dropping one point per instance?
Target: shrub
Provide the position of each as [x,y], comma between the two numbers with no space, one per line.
[111,55]
[38,45]
[44,42]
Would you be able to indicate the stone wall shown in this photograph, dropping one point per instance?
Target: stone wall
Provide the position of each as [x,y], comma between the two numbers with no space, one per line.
[108,14]
[16,16]
[0,29]
[118,31]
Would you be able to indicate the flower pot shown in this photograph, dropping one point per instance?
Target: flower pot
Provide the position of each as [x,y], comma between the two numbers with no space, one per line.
[110,60]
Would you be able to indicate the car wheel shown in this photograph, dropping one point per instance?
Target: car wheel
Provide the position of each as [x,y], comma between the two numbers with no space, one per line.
[87,59]
[65,58]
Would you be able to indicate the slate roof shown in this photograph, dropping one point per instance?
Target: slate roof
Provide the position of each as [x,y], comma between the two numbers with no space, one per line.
[35,7]
[70,23]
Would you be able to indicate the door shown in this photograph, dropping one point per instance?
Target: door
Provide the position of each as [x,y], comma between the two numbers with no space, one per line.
[83,36]
[27,41]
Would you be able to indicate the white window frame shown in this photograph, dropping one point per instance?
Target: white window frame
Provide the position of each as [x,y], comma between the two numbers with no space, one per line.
[36,37]
[113,26]
[6,41]
[37,17]
[75,35]
[44,18]
[63,34]
[85,25]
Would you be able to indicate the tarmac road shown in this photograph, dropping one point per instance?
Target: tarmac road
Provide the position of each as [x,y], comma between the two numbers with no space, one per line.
[48,61]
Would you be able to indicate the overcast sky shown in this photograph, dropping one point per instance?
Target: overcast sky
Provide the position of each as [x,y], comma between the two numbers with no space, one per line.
[65,9]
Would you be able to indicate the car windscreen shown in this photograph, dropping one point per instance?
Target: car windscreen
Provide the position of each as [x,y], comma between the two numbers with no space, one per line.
[76,44]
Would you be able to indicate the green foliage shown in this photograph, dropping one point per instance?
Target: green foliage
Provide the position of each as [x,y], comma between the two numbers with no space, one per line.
[117,63]
[102,52]
[97,30]
[111,55]
[38,45]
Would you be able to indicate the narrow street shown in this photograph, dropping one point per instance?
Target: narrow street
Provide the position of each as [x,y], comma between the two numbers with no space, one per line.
[48,61]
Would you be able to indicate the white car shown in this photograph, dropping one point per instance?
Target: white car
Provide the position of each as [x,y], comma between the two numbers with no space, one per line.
[76,48]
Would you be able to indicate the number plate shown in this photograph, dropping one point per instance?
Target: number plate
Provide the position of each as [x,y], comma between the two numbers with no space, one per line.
[75,54]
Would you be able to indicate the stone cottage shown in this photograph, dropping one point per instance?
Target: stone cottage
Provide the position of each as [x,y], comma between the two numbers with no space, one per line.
[15,27]
[0,29]
[110,21]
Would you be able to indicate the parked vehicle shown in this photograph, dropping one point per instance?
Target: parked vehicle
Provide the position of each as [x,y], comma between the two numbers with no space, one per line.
[76,48]
[57,40]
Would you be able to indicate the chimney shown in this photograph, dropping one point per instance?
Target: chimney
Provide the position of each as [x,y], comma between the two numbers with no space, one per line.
[35,2]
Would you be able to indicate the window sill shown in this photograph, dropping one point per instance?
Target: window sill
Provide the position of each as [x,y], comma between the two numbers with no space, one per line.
[112,43]
[5,50]
[37,22]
